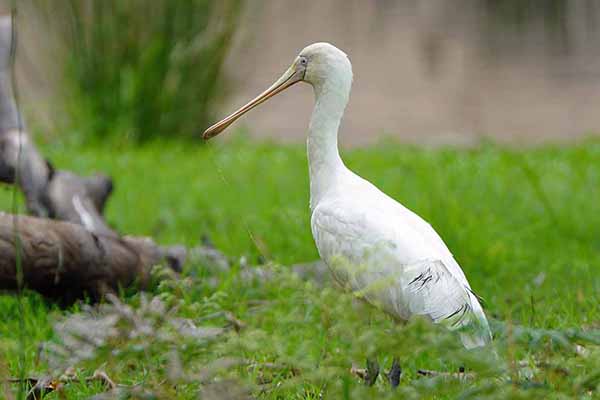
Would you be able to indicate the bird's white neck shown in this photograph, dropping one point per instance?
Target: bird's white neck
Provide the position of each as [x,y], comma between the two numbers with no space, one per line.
[324,161]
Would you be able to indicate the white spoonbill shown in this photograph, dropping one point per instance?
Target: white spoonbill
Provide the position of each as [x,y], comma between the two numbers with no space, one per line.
[373,245]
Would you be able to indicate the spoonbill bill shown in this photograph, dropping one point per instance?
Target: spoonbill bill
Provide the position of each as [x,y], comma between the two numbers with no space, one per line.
[372,244]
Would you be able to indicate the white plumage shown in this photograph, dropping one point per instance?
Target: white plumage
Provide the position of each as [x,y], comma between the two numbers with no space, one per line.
[393,258]
[374,246]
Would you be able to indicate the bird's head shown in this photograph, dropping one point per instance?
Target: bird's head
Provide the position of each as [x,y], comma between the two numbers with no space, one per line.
[322,65]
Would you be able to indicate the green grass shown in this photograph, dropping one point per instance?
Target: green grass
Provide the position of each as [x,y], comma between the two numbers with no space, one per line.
[523,223]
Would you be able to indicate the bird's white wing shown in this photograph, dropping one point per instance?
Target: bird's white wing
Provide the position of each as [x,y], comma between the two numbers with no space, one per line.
[388,260]
[433,291]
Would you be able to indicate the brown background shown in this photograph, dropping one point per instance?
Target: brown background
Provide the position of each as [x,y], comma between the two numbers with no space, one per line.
[428,71]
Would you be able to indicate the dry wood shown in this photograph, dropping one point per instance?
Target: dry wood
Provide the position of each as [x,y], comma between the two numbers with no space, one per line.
[66,261]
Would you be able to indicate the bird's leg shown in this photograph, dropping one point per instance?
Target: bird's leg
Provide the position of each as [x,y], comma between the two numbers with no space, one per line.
[372,371]
[394,373]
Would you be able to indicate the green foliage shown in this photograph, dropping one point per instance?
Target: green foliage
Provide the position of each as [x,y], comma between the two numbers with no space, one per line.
[523,223]
[145,69]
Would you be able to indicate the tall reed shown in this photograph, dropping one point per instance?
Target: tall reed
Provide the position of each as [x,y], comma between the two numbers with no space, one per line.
[144,68]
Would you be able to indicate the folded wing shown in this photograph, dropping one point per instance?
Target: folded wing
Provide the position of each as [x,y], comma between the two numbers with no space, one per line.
[432,290]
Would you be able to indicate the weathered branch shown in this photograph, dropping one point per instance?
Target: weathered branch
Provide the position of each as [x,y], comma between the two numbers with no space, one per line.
[69,197]
[21,163]
[65,261]
[61,195]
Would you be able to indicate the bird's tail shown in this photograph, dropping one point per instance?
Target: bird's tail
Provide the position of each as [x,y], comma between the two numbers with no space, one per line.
[473,340]
[475,332]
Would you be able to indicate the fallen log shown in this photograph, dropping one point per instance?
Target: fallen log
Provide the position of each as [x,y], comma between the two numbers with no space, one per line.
[65,261]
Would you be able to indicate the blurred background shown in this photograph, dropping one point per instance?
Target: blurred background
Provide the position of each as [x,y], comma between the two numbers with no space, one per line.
[436,70]
[425,71]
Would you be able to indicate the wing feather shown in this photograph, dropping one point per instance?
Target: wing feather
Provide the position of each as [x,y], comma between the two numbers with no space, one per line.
[433,291]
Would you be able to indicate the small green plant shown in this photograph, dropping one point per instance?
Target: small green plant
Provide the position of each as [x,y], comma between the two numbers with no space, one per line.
[147,340]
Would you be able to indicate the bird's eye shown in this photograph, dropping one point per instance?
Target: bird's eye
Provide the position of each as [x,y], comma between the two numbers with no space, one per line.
[303,61]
